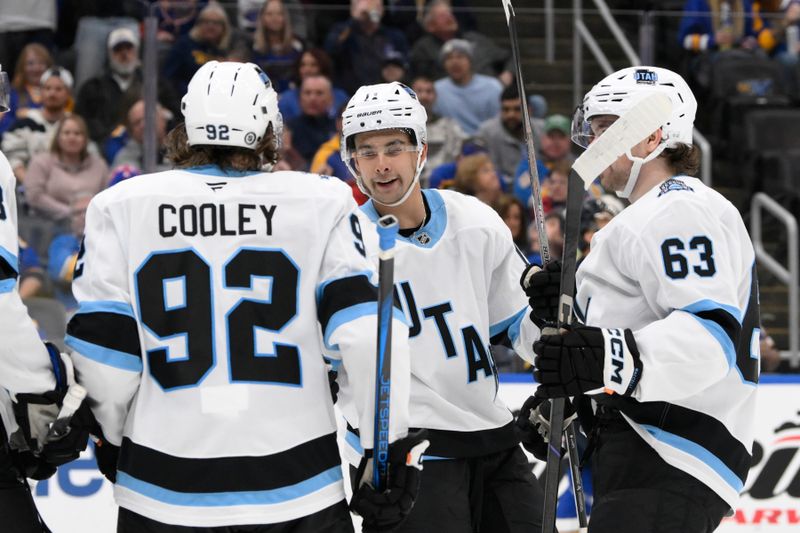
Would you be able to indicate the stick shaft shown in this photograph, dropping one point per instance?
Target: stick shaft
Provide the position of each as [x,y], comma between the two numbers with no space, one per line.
[536,193]
[387,229]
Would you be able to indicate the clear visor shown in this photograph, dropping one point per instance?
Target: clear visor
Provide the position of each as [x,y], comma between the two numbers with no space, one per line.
[585,130]
[5,88]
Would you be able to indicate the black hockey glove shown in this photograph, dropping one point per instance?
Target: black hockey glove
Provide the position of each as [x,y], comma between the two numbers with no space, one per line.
[543,288]
[107,457]
[586,360]
[386,510]
[532,425]
[35,413]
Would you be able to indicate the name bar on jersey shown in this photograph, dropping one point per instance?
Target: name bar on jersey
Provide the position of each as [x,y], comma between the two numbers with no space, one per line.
[211,219]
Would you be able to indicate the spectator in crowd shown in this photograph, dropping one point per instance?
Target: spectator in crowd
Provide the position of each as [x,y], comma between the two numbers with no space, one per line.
[312,62]
[554,229]
[23,22]
[63,251]
[56,176]
[34,133]
[554,188]
[276,49]
[26,91]
[32,281]
[504,135]
[208,40]
[443,176]
[394,68]
[785,49]
[441,26]
[718,25]
[123,172]
[522,179]
[444,134]
[770,355]
[102,100]
[328,161]
[555,143]
[468,97]
[94,21]
[512,211]
[360,45]
[175,20]
[132,152]
[476,176]
[247,17]
[314,126]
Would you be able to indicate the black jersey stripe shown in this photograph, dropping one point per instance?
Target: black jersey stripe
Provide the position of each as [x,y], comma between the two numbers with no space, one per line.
[343,293]
[229,474]
[7,271]
[694,426]
[466,444]
[109,330]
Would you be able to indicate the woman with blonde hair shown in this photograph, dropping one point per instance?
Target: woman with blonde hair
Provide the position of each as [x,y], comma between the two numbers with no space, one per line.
[476,176]
[276,49]
[26,87]
[55,177]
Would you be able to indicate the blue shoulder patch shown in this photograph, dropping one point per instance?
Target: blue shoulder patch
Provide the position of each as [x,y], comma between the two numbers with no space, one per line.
[673,185]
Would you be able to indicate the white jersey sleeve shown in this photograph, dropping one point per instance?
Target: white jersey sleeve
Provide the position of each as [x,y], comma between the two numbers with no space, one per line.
[104,335]
[348,310]
[508,305]
[24,363]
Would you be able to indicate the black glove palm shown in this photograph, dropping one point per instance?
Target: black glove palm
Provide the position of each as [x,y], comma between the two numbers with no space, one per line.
[543,288]
[532,425]
[574,362]
[386,510]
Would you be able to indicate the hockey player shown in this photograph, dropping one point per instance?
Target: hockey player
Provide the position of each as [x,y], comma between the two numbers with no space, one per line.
[33,378]
[457,273]
[202,293]
[668,349]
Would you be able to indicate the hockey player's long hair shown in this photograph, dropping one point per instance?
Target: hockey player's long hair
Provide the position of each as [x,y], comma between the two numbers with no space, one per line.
[184,156]
[684,159]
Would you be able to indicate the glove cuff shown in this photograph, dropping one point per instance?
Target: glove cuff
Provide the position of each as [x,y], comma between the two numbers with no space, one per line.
[622,366]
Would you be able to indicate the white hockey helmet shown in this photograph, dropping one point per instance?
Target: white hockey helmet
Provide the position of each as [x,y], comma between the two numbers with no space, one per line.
[230,104]
[617,93]
[386,106]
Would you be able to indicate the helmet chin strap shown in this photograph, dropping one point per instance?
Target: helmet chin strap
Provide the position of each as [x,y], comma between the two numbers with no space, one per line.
[417,172]
[633,177]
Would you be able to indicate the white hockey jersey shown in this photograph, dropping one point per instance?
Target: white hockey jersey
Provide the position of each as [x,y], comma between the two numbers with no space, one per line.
[677,267]
[204,297]
[457,280]
[24,363]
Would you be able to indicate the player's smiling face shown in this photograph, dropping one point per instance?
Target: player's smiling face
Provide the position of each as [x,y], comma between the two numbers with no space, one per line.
[386,162]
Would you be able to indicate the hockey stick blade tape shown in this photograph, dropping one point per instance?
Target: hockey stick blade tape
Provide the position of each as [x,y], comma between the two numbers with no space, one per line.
[649,114]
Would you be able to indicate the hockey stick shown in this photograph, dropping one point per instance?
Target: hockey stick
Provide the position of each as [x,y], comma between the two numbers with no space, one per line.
[544,250]
[629,129]
[387,232]
[536,193]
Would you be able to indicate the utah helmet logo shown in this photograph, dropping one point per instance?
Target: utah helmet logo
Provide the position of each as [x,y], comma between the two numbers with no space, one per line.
[423,238]
[250,138]
[645,76]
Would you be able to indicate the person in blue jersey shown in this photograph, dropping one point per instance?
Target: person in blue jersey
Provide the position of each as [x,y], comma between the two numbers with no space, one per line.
[456,271]
[205,293]
[666,342]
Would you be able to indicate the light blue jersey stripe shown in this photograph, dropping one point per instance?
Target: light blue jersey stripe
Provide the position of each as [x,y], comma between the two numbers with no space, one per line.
[512,324]
[106,356]
[698,452]
[7,285]
[106,306]
[226,499]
